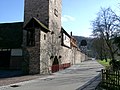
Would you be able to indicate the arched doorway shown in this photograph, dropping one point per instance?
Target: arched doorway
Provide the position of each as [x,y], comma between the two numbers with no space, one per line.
[55,65]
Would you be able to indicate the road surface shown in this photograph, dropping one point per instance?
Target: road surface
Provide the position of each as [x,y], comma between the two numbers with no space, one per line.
[69,79]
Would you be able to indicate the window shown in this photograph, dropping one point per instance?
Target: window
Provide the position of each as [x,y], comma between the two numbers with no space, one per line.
[44,37]
[31,37]
[56,12]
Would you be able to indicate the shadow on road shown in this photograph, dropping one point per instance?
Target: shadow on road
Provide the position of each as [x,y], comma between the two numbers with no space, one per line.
[10,73]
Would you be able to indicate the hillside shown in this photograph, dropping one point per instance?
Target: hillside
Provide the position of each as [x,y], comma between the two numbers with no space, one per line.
[88,48]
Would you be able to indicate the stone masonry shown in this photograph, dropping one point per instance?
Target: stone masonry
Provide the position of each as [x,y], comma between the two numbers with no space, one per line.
[47,47]
[47,12]
[38,9]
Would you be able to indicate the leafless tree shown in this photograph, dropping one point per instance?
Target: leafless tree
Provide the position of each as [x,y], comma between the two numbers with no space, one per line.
[106,26]
[100,48]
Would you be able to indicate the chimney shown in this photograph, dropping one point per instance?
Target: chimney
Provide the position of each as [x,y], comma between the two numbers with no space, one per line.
[71,33]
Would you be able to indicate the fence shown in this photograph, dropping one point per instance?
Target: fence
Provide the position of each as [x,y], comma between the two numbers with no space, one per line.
[111,79]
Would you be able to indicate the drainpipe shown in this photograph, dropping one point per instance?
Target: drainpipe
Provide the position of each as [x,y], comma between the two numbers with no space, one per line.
[40,50]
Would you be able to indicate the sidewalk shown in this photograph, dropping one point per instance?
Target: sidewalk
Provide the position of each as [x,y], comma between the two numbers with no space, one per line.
[84,76]
[12,80]
[92,84]
[91,71]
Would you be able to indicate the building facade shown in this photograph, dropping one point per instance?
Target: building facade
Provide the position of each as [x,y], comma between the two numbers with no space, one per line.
[46,47]
[46,39]
[52,47]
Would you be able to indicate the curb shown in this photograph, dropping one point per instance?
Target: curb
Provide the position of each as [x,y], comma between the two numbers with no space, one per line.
[89,83]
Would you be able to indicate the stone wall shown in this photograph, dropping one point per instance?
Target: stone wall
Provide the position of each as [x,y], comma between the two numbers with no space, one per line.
[38,9]
[79,57]
[40,57]
[66,55]
[71,55]
[54,41]
[55,10]
[49,13]
[32,54]
[44,56]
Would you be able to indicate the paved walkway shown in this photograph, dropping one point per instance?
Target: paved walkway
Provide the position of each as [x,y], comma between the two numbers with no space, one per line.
[88,68]
[84,76]
[92,84]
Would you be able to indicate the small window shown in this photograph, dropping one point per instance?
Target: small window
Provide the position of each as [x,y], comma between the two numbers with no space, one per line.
[56,12]
[44,37]
[37,15]
[31,38]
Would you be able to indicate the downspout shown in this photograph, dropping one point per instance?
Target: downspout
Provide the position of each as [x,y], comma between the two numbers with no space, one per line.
[40,50]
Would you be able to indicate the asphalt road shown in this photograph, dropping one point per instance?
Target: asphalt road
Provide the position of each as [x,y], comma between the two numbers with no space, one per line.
[68,79]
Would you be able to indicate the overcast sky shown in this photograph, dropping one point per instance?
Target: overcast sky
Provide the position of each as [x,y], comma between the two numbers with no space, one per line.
[76,14]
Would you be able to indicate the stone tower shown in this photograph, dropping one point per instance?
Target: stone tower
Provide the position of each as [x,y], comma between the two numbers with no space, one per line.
[46,11]
[47,14]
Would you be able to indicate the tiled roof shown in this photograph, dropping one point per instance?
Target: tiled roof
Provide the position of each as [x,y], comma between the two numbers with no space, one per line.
[36,24]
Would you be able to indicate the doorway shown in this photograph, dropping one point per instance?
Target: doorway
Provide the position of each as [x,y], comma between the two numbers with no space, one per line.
[5,59]
[55,65]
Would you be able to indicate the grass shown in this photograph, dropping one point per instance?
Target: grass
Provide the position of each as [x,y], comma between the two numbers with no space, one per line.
[112,80]
[104,63]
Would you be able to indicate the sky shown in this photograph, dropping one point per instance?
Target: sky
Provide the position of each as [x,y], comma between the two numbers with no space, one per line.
[77,15]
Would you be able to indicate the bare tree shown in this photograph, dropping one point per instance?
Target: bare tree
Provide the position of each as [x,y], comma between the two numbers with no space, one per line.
[106,26]
[100,48]
[117,41]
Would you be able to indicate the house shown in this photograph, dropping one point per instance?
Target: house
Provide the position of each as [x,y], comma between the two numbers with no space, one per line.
[10,45]
[44,46]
